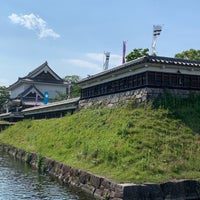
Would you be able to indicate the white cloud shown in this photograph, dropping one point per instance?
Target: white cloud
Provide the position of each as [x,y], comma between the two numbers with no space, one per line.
[33,22]
[84,63]
[95,56]
[92,62]
[100,57]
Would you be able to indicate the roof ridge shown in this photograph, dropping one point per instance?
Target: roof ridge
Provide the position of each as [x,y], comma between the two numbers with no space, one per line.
[37,69]
[146,59]
[173,59]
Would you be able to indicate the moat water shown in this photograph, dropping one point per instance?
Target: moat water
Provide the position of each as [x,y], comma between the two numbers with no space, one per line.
[19,181]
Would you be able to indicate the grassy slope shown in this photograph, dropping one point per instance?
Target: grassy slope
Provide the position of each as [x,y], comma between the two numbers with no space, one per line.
[125,143]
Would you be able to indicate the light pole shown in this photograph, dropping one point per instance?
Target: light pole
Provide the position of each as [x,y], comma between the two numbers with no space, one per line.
[156,32]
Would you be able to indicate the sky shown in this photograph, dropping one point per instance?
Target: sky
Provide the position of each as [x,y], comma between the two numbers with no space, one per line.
[72,36]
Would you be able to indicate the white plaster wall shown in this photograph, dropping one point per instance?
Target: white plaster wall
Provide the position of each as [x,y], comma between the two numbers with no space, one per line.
[51,89]
[15,92]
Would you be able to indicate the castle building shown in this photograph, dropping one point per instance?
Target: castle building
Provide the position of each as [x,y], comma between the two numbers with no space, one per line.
[142,79]
[40,85]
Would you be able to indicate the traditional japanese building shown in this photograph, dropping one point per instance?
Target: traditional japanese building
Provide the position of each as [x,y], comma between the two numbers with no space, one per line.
[142,79]
[32,89]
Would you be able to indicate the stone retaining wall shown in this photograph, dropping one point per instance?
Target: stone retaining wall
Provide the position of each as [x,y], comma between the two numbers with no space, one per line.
[99,187]
[140,95]
[102,188]
[113,99]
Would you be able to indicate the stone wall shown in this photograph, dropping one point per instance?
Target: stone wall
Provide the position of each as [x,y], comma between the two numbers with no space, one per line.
[102,188]
[99,187]
[140,95]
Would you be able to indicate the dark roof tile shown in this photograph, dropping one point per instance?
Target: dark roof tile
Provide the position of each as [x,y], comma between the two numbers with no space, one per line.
[146,59]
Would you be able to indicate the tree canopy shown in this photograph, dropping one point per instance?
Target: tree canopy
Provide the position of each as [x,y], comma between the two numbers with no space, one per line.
[72,78]
[4,96]
[136,53]
[190,54]
[73,90]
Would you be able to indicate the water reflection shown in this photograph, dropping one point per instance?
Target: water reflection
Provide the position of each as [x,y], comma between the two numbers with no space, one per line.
[19,181]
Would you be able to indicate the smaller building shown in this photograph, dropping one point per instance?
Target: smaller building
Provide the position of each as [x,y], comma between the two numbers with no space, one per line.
[52,110]
[42,84]
[142,79]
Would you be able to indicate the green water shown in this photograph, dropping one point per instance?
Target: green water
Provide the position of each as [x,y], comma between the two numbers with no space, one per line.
[19,181]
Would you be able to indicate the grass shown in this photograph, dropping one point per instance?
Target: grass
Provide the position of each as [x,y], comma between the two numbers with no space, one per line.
[128,143]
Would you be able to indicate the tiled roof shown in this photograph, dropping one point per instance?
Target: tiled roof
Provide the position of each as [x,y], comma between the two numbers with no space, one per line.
[30,77]
[54,104]
[35,71]
[173,61]
[146,59]
[29,89]
[30,74]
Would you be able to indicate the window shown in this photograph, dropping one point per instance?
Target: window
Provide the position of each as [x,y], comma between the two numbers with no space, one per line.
[130,82]
[139,79]
[186,81]
[144,78]
[194,82]
[151,78]
[135,81]
[173,80]
[158,79]
[165,81]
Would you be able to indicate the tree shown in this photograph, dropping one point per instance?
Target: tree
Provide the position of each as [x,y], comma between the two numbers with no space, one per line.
[72,78]
[73,90]
[136,53]
[4,96]
[190,54]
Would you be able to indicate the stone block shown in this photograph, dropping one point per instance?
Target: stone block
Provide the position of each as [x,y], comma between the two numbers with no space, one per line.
[96,181]
[84,177]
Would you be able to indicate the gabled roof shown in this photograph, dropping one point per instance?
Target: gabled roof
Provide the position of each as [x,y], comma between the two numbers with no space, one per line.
[37,75]
[39,69]
[29,89]
[145,59]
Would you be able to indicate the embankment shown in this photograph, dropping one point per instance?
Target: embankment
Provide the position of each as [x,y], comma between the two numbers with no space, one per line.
[103,188]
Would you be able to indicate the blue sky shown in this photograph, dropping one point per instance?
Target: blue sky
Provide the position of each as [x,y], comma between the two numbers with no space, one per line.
[72,36]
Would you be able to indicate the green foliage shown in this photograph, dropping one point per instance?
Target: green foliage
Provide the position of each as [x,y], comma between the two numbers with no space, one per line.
[72,78]
[28,158]
[187,110]
[137,53]
[60,97]
[190,54]
[41,164]
[75,90]
[137,143]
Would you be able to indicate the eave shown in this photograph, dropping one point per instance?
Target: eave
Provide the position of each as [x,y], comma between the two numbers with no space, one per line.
[142,63]
[32,81]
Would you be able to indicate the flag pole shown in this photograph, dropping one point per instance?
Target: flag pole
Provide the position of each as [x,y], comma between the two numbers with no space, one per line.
[124,52]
